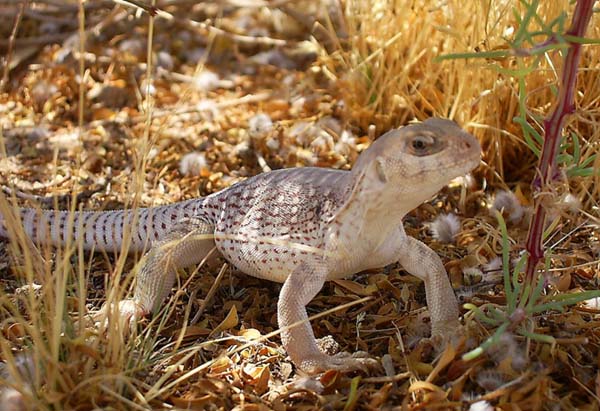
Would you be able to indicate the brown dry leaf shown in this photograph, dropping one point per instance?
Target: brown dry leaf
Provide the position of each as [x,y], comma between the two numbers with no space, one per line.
[353,287]
[14,331]
[220,365]
[259,378]
[250,334]
[202,394]
[385,284]
[230,321]
[330,380]
[414,363]
[424,385]
[194,331]
[103,113]
[563,282]
[446,358]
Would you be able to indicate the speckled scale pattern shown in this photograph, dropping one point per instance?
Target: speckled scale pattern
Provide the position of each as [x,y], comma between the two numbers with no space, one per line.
[260,220]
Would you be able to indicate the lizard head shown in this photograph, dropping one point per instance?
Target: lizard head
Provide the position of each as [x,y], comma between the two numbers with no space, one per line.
[414,162]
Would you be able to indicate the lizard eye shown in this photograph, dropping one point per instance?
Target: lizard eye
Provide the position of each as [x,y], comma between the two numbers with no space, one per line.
[420,144]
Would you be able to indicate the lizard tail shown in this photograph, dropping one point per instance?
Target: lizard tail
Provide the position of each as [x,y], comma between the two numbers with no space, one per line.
[101,230]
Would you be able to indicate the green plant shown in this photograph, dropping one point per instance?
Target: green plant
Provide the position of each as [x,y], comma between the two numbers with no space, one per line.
[523,301]
[524,297]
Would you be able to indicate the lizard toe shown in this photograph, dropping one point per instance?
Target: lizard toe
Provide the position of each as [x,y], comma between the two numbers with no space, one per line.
[441,338]
[343,362]
[129,312]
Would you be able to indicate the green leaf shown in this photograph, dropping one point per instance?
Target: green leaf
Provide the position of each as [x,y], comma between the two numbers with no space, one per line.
[529,14]
[353,394]
[493,54]
[588,160]
[510,295]
[538,337]
[560,301]
[580,40]
[518,269]
[585,172]
[486,344]
[479,314]
[576,148]
[537,292]
[528,131]
[471,355]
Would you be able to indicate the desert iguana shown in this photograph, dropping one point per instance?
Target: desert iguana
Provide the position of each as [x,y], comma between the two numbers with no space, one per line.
[299,226]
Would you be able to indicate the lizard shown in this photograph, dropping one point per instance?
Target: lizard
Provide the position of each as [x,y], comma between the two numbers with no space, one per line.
[298,226]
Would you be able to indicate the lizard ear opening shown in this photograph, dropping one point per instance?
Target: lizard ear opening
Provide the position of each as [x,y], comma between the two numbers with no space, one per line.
[380,168]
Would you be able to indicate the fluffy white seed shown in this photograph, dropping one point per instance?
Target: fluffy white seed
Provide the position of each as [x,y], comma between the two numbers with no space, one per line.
[507,202]
[259,126]
[481,406]
[192,164]
[206,81]
[445,227]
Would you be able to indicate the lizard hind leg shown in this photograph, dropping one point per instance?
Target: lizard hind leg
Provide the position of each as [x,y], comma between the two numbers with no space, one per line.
[186,244]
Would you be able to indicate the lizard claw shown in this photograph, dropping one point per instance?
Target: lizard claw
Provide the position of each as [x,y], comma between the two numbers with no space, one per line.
[129,312]
[442,336]
[342,362]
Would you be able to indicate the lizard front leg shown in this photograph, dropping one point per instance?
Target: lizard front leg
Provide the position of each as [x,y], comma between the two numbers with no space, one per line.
[186,244]
[421,261]
[299,341]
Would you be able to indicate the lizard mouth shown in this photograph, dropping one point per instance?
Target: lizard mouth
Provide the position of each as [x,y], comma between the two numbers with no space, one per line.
[451,170]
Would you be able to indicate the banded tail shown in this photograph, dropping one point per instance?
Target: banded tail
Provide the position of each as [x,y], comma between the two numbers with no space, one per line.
[102,230]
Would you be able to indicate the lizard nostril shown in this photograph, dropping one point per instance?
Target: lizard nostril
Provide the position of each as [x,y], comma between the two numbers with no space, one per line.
[467,145]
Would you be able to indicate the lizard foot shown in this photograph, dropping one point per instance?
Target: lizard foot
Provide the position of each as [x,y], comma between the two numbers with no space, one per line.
[343,362]
[129,312]
[442,336]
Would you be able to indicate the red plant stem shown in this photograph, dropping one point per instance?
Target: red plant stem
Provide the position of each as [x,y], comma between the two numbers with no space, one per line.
[552,134]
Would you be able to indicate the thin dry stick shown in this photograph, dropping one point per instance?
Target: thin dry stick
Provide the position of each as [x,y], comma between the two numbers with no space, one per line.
[206,26]
[36,41]
[211,293]
[11,44]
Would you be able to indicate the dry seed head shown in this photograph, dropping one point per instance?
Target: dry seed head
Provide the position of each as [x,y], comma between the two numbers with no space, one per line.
[192,164]
[506,202]
[445,227]
[259,126]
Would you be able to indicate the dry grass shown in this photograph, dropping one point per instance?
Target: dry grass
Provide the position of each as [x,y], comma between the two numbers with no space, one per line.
[387,73]
[384,71]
